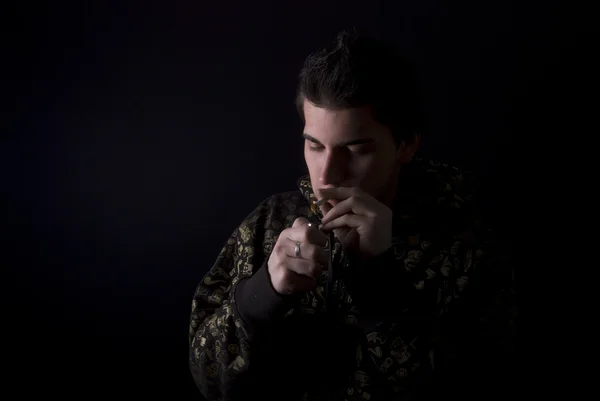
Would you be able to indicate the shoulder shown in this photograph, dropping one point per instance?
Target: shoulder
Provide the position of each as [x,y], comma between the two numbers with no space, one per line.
[481,254]
[460,200]
[444,193]
[286,201]
[453,186]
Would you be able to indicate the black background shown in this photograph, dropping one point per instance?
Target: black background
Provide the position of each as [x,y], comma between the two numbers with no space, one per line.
[141,133]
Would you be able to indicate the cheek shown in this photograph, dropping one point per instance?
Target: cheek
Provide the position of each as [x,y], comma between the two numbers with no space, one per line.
[312,162]
[372,170]
[358,168]
[364,166]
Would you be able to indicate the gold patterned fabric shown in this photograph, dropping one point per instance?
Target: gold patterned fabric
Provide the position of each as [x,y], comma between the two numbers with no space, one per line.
[432,316]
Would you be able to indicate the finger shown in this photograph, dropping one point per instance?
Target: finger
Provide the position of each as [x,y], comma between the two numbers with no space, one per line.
[347,220]
[300,221]
[321,257]
[302,283]
[315,253]
[355,205]
[341,193]
[308,234]
[316,237]
[295,282]
[304,231]
[310,252]
[321,201]
[304,268]
[325,206]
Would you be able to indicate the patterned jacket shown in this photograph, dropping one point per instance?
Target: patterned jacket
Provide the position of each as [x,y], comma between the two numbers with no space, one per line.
[432,316]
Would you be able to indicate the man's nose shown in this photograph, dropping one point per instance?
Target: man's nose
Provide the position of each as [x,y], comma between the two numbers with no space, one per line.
[333,171]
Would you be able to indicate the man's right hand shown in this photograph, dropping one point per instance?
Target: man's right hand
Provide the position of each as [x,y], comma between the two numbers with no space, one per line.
[291,274]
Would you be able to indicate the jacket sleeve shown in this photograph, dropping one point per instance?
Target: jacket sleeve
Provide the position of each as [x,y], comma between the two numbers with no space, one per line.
[234,300]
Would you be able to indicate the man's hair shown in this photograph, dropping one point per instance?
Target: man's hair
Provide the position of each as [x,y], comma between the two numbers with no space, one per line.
[355,71]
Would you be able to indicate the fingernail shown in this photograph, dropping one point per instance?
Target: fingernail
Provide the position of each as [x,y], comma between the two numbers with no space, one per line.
[321,201]
[320,226]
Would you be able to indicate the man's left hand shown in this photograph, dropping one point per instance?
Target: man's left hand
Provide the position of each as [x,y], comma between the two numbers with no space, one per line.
[362,223]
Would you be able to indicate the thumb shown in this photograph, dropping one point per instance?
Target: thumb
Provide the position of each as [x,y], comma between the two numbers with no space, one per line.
[325,208]
[300,221]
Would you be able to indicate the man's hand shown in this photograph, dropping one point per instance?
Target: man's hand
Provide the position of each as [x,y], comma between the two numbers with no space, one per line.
[362,223]
[290,273]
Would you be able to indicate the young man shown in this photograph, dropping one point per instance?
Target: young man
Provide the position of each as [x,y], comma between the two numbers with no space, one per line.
[409,299]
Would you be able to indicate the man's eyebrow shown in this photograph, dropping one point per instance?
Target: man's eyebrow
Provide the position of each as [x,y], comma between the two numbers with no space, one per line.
[359,141]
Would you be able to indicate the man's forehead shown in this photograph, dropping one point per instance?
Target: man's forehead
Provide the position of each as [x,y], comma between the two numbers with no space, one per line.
[346,114]
[343,126]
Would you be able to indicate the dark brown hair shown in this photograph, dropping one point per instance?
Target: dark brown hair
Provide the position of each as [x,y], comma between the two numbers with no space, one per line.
[355,71]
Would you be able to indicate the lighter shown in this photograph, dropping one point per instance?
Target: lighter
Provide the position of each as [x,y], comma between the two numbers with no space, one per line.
[315,220]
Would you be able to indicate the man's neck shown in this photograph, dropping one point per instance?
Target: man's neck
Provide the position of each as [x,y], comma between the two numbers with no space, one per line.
[391,190]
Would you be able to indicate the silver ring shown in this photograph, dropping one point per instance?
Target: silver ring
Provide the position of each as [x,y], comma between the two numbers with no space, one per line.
[297,249]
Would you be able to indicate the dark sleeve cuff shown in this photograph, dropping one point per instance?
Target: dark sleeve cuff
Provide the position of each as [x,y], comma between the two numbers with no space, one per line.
[257,302]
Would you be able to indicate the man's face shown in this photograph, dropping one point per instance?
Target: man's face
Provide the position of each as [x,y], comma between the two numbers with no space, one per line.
[349,148]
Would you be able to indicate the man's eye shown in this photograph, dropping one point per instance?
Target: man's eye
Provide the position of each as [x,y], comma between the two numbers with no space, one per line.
[353,149]
[362,149]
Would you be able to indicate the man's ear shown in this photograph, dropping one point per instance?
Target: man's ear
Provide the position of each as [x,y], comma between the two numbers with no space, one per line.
[406,152]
